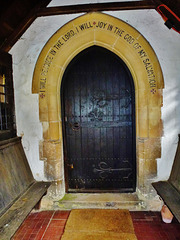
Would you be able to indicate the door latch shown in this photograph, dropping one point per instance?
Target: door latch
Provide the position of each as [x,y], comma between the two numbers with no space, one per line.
[75,126]
[70,165]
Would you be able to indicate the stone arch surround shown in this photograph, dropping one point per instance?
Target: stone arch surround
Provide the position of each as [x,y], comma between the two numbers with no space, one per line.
[126,42]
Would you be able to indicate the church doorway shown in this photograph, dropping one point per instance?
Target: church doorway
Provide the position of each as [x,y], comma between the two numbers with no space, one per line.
[98,109]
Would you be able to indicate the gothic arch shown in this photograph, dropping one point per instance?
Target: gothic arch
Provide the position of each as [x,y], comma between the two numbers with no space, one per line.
[126,42]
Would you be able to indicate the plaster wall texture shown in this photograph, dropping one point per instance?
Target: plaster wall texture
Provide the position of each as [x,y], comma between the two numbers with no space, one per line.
[26,51]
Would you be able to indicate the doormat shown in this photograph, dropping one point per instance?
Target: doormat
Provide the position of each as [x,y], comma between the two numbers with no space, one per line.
[99,224]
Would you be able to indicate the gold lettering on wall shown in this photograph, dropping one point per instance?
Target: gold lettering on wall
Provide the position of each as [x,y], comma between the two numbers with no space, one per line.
[104,26]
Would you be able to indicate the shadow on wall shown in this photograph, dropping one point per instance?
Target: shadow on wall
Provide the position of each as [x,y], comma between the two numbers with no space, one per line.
[170,117]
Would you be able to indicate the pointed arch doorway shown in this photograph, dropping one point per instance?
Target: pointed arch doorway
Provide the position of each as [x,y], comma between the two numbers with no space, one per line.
[98,29]
[99,123]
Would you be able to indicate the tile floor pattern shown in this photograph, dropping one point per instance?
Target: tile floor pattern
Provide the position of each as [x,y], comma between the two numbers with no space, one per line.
[49,225]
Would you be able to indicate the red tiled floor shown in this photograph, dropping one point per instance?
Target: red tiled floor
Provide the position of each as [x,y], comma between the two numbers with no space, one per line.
[149,226]
[61,215]
[43,225]
[49,225]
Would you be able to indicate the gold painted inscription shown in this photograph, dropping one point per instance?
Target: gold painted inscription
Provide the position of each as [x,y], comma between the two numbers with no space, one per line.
[86,26]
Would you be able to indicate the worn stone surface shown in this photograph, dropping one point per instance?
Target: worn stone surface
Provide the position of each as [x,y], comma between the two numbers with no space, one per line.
[131,201]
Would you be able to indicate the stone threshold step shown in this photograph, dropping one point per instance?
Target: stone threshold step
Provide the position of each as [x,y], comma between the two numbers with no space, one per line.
[99,200]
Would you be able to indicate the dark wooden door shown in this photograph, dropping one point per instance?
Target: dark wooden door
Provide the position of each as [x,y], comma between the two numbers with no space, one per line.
[99,123]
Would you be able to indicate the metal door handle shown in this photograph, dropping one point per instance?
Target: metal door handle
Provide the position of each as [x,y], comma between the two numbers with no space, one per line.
[75,126]
[70,165]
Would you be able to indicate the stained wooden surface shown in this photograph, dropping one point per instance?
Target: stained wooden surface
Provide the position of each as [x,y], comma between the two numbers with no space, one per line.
[170,195]
[7,112]
[175,173]
[11,220]
[99,123]
[170,190]
[17,15]
[109,6]
[15,172]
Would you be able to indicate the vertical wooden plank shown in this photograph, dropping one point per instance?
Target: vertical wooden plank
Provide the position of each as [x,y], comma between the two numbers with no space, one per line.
[101,88]
[97,143]
[14,171]
[110,142]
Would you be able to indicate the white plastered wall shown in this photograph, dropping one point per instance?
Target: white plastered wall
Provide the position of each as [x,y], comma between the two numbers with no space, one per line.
[25,52]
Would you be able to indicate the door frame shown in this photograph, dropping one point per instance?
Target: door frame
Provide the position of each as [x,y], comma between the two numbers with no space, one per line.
[126,42]
[65,136]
